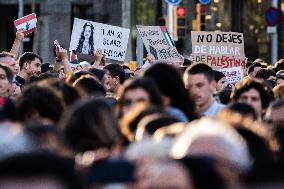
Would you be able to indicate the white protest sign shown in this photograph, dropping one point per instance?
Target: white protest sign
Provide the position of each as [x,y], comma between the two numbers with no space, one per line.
[88,36]
[233,75]
[218,49]
[159,43]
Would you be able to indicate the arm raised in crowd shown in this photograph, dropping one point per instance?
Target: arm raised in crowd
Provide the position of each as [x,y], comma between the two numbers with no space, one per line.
[17,43]
[99,59]
[62,54]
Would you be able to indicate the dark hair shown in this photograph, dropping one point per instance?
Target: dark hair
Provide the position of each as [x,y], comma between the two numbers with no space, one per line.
[8,71]
[8,110]
[28,57]
[36,165]
[251,68]
[170,83]
[152,123]
[97,73]
[82,39]
[248,83]
[76,75]
[41,100]
[66,91]
[146,84]
[224,95]
[116,70]
[265,73]
[89,85]
[280,64]
[243,108]
[201,68]
[218,75]
[200,168]
[90,125]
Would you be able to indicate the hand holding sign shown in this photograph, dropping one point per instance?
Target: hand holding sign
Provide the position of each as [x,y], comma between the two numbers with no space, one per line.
[26,24]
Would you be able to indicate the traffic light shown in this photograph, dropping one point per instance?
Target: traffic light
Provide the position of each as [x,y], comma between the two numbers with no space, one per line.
[199,23]
[181,22]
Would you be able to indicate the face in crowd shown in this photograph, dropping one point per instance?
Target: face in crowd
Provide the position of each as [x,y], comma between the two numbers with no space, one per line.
[11,63]
[5,85]
[110,83]
[33,68]
[133,97]
[200,88]
[253,98]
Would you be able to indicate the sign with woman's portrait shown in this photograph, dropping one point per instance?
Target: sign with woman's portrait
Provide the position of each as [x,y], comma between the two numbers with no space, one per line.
[89,36]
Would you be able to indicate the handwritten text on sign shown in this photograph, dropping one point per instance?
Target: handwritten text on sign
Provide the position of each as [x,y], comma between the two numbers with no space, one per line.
[234,74]
[111,39]
[158,43]
[218,49]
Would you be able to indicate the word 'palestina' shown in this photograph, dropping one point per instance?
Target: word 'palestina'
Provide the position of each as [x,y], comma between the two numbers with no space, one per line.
[223,61]
[217,50]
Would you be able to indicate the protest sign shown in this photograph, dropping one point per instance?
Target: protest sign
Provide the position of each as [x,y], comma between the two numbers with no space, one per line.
[26,24]
[218,49]
[159,43]
[233,75]
[89,36]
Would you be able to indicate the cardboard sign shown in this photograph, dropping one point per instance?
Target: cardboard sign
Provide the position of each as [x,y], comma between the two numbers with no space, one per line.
[218,49]
[26,24]
[89,36]
[233,75]
[159,43]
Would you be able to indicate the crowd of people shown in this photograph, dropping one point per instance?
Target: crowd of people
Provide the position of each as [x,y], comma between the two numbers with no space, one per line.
[99,125]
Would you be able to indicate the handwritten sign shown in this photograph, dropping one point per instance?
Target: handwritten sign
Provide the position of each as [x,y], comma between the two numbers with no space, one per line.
[159,43]
[89,36]
[218,49]
[234,74]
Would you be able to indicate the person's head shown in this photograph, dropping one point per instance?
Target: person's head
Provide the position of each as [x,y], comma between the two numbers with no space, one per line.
[90,125]
[65,91]
[242,108]
[224,96]
[280,64]
[253,69]
[279,91]
[266,74]
[88,85]
[76,75]
[200,83]
[9,60]
[170,83]
[6,79]
[38,171]
[30,64]
[254,92]
[280,77]
[215,139]
[141,90]
[46,67]
[114,77]
[85,65]
[220,79]
[98,73]
[275,113]
[39,104]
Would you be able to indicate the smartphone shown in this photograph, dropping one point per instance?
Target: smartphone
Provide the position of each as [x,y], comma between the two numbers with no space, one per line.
[56,44]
